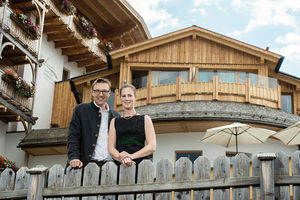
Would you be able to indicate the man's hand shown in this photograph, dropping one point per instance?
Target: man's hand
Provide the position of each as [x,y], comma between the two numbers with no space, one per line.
[76,163]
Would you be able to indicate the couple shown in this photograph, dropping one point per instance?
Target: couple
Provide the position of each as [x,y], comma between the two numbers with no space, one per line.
[89,139]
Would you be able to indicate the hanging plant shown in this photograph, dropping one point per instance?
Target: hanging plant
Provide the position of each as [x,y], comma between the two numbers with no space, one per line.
[108,44]
[67,7]
[89,30]
[26,23]
[18,83]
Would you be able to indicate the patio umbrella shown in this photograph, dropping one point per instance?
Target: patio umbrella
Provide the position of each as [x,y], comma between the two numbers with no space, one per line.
[235,134]
[290,135]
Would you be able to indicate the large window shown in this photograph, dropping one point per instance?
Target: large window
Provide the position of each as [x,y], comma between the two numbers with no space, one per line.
[166,77]
[286,102]
[205,76]
[139,79]
[226,76]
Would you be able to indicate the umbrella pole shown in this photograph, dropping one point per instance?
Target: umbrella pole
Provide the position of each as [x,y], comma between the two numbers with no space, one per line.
[236,141]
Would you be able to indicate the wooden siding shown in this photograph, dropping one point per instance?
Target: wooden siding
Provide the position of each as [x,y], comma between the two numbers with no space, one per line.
[192,51]
[63,105]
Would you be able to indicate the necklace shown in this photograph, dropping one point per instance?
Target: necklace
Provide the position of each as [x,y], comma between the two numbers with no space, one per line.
[130,116]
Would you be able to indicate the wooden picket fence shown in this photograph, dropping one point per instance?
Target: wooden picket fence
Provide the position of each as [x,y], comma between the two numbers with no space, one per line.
[272,177]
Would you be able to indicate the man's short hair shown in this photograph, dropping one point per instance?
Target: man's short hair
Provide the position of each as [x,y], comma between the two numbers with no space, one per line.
[102,80]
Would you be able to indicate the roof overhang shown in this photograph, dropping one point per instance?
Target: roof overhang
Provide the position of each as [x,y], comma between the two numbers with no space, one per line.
[195,31]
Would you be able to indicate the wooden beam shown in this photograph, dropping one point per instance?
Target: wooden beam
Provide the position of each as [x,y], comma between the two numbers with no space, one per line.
[74,51]
[116,32]
[17,111]
[91,77]
[80,57]
[67,44]
[52,20]
[59,37]
[90,62]
[53,28]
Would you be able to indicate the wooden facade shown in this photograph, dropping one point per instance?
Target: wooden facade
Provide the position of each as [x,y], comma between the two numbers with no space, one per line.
[196,50]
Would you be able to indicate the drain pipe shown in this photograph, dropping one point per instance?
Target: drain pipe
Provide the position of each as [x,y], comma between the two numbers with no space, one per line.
[78,95]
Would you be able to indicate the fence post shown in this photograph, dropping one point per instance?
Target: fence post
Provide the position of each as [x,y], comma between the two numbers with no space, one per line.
[37,182]
[267,175]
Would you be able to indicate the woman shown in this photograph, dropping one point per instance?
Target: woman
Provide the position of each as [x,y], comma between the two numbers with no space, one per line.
[127,134]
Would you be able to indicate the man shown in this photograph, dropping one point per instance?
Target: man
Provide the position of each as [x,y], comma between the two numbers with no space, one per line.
[88,130]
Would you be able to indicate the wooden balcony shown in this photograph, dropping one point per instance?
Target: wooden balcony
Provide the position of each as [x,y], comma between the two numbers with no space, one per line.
[179,91]
[17,31]
[13,105]
[207,91]
[64,30]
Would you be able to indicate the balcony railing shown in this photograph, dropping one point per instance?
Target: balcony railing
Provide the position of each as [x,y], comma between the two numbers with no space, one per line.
[15,30]
[208,91]
[13,97]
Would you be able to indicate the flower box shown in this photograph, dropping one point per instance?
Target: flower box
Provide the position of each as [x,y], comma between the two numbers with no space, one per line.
[85,27]
[25,27]
[65,7]
[18,84]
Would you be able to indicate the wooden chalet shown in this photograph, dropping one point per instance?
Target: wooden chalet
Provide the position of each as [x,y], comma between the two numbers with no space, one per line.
[191,80]
[116,23]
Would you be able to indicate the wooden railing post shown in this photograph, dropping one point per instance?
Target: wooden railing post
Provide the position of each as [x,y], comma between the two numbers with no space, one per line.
[37,182]
[267,186]
[178,88]
[215,89]
[247,90]
[279,96]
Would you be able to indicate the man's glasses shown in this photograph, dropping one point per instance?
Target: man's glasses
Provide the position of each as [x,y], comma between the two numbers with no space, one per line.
[104,92]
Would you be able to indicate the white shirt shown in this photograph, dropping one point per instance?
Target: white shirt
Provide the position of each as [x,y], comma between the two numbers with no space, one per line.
[101,150]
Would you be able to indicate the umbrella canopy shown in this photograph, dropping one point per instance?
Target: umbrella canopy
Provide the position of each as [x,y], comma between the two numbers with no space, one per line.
[236,133]
[290,135]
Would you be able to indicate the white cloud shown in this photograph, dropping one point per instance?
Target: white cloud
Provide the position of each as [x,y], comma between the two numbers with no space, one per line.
[154,15]
[202,11]
[291,51]
[289,38]
[199,3]
[269,12]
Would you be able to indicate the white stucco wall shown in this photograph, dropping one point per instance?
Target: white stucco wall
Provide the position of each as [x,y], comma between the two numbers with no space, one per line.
[48,161]
[3,128]
[49,73]
[12,152]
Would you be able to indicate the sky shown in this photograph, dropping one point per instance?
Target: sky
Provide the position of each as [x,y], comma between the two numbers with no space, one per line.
[262,23]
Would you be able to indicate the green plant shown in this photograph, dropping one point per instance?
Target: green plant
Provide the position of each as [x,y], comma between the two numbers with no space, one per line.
[5,163]
[88,27]
[68,6]
[108,44]
[35,30]
[19,83]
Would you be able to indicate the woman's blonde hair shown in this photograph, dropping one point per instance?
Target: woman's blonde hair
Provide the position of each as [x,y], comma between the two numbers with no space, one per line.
[128,86]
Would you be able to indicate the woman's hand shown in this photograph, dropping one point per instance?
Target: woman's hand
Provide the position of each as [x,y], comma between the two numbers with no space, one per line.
[126,159]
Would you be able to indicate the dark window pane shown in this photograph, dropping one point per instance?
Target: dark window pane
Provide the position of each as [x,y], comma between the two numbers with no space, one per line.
[139,79]
[286,102]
